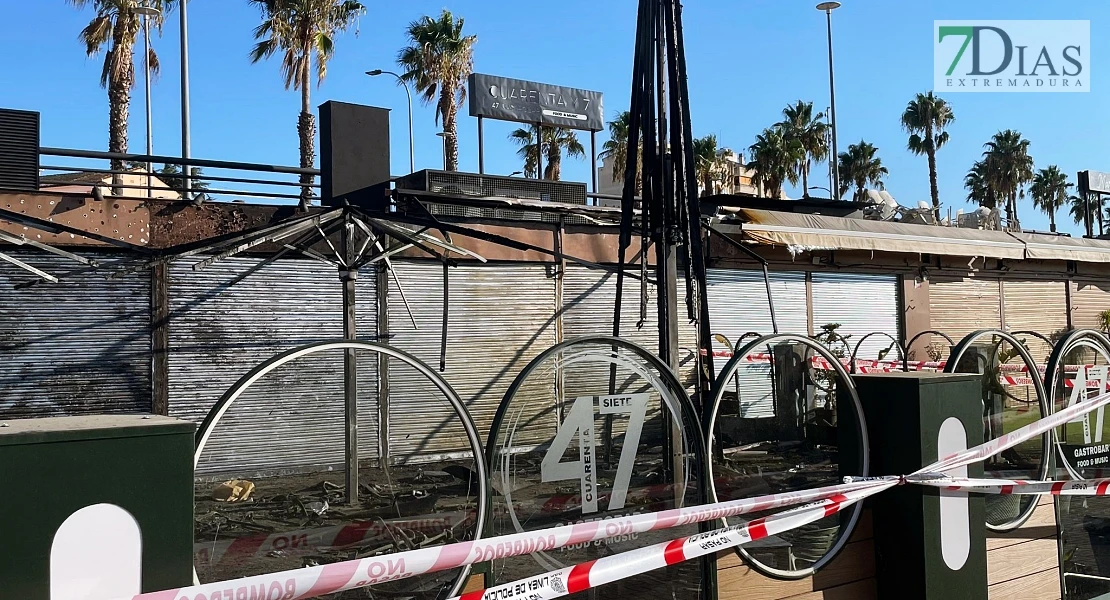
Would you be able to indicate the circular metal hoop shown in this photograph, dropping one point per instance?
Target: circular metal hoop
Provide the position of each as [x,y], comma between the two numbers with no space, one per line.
[1079,338]
[1038,385]
[719,386]
[897,344]
[909,344]
[668,387]
[246,381]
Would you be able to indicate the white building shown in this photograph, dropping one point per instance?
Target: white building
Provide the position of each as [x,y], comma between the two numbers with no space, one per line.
[735,179]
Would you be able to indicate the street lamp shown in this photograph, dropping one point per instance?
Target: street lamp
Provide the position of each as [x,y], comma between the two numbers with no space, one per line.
[443,136]
[515,173]
[412,153]
[146,12]
[828,7]
[821,187]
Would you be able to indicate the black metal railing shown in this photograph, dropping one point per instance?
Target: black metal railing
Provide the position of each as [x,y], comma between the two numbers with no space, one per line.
[179,178]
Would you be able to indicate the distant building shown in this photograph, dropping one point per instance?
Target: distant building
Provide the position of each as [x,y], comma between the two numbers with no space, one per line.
[737,180]
[134,185]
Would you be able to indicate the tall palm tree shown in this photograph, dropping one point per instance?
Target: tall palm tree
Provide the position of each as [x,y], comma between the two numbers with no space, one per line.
[1079,206]
[811,133]
[979,185]
[303,30]
[616,147]
[1010,168]
[710,163]
[924,119]
[437,61]
[861,166]
[774,156]
[1050,192]
[116,26]
[556,141]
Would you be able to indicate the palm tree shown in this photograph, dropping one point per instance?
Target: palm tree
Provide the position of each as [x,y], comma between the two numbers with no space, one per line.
[979,185]
[1050,192]
[556,140]
[437,61]
[303,30]
[616,147]
[1010,167]
[924,119]
[774,157]
[116,26]
[710,163]
[859,165]
[811,133]
[1079,206]
[526,139]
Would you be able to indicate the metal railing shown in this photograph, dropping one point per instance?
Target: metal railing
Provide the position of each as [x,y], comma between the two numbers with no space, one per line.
[179,178]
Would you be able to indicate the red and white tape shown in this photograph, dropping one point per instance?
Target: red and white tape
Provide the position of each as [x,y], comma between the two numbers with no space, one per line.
[1018,487]
[337,577]
[570,580]
[328,579]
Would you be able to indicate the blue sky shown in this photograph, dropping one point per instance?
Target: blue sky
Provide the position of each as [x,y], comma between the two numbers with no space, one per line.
[747,60]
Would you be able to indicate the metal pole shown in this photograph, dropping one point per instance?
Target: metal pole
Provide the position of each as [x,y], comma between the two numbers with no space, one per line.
[350,366]
[481,147]
[539,151]
[412,139]
[593,158]
[149,120]
[185,97]
[832,112]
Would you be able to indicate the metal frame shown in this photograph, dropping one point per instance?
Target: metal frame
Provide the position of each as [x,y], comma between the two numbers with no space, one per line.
[897,344]
[1038,384]
[909,344]
[672,394]
[727,372]
[235,391]
[1074,339]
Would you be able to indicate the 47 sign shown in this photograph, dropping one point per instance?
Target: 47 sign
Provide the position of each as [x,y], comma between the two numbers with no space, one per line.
[580,420]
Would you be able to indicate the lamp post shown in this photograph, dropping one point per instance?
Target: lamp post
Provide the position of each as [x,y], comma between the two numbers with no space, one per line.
[146,12]
[185,169]
[443,136]
[408,93]
[828,7]
[821,187]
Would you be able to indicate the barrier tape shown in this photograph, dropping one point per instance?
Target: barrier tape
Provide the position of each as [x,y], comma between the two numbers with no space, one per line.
[337,577]
[570,580]
[341,576]
[1019,487]
[562,582]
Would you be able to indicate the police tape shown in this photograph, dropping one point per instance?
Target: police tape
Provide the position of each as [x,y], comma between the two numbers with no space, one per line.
[342,576]
[570,580]
[1019,487]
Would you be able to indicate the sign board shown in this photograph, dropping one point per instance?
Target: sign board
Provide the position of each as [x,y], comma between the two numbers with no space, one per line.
[530,102]
[1094,181]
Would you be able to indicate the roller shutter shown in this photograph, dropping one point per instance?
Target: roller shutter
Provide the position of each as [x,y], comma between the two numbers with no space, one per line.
[959,306]
[1036,305]
[220,328]
[861,304]
[77,347]
[501,316]
[738,305]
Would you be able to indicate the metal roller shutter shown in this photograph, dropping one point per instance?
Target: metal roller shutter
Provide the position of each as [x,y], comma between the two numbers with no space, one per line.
[738,305]
[501,316]
[1089,298]
[862,304]
[77,347]
[960,306]
[589,296]
[292,419]
[1036,305]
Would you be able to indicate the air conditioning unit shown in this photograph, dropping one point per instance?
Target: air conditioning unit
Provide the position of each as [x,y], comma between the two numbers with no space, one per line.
[454,183]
